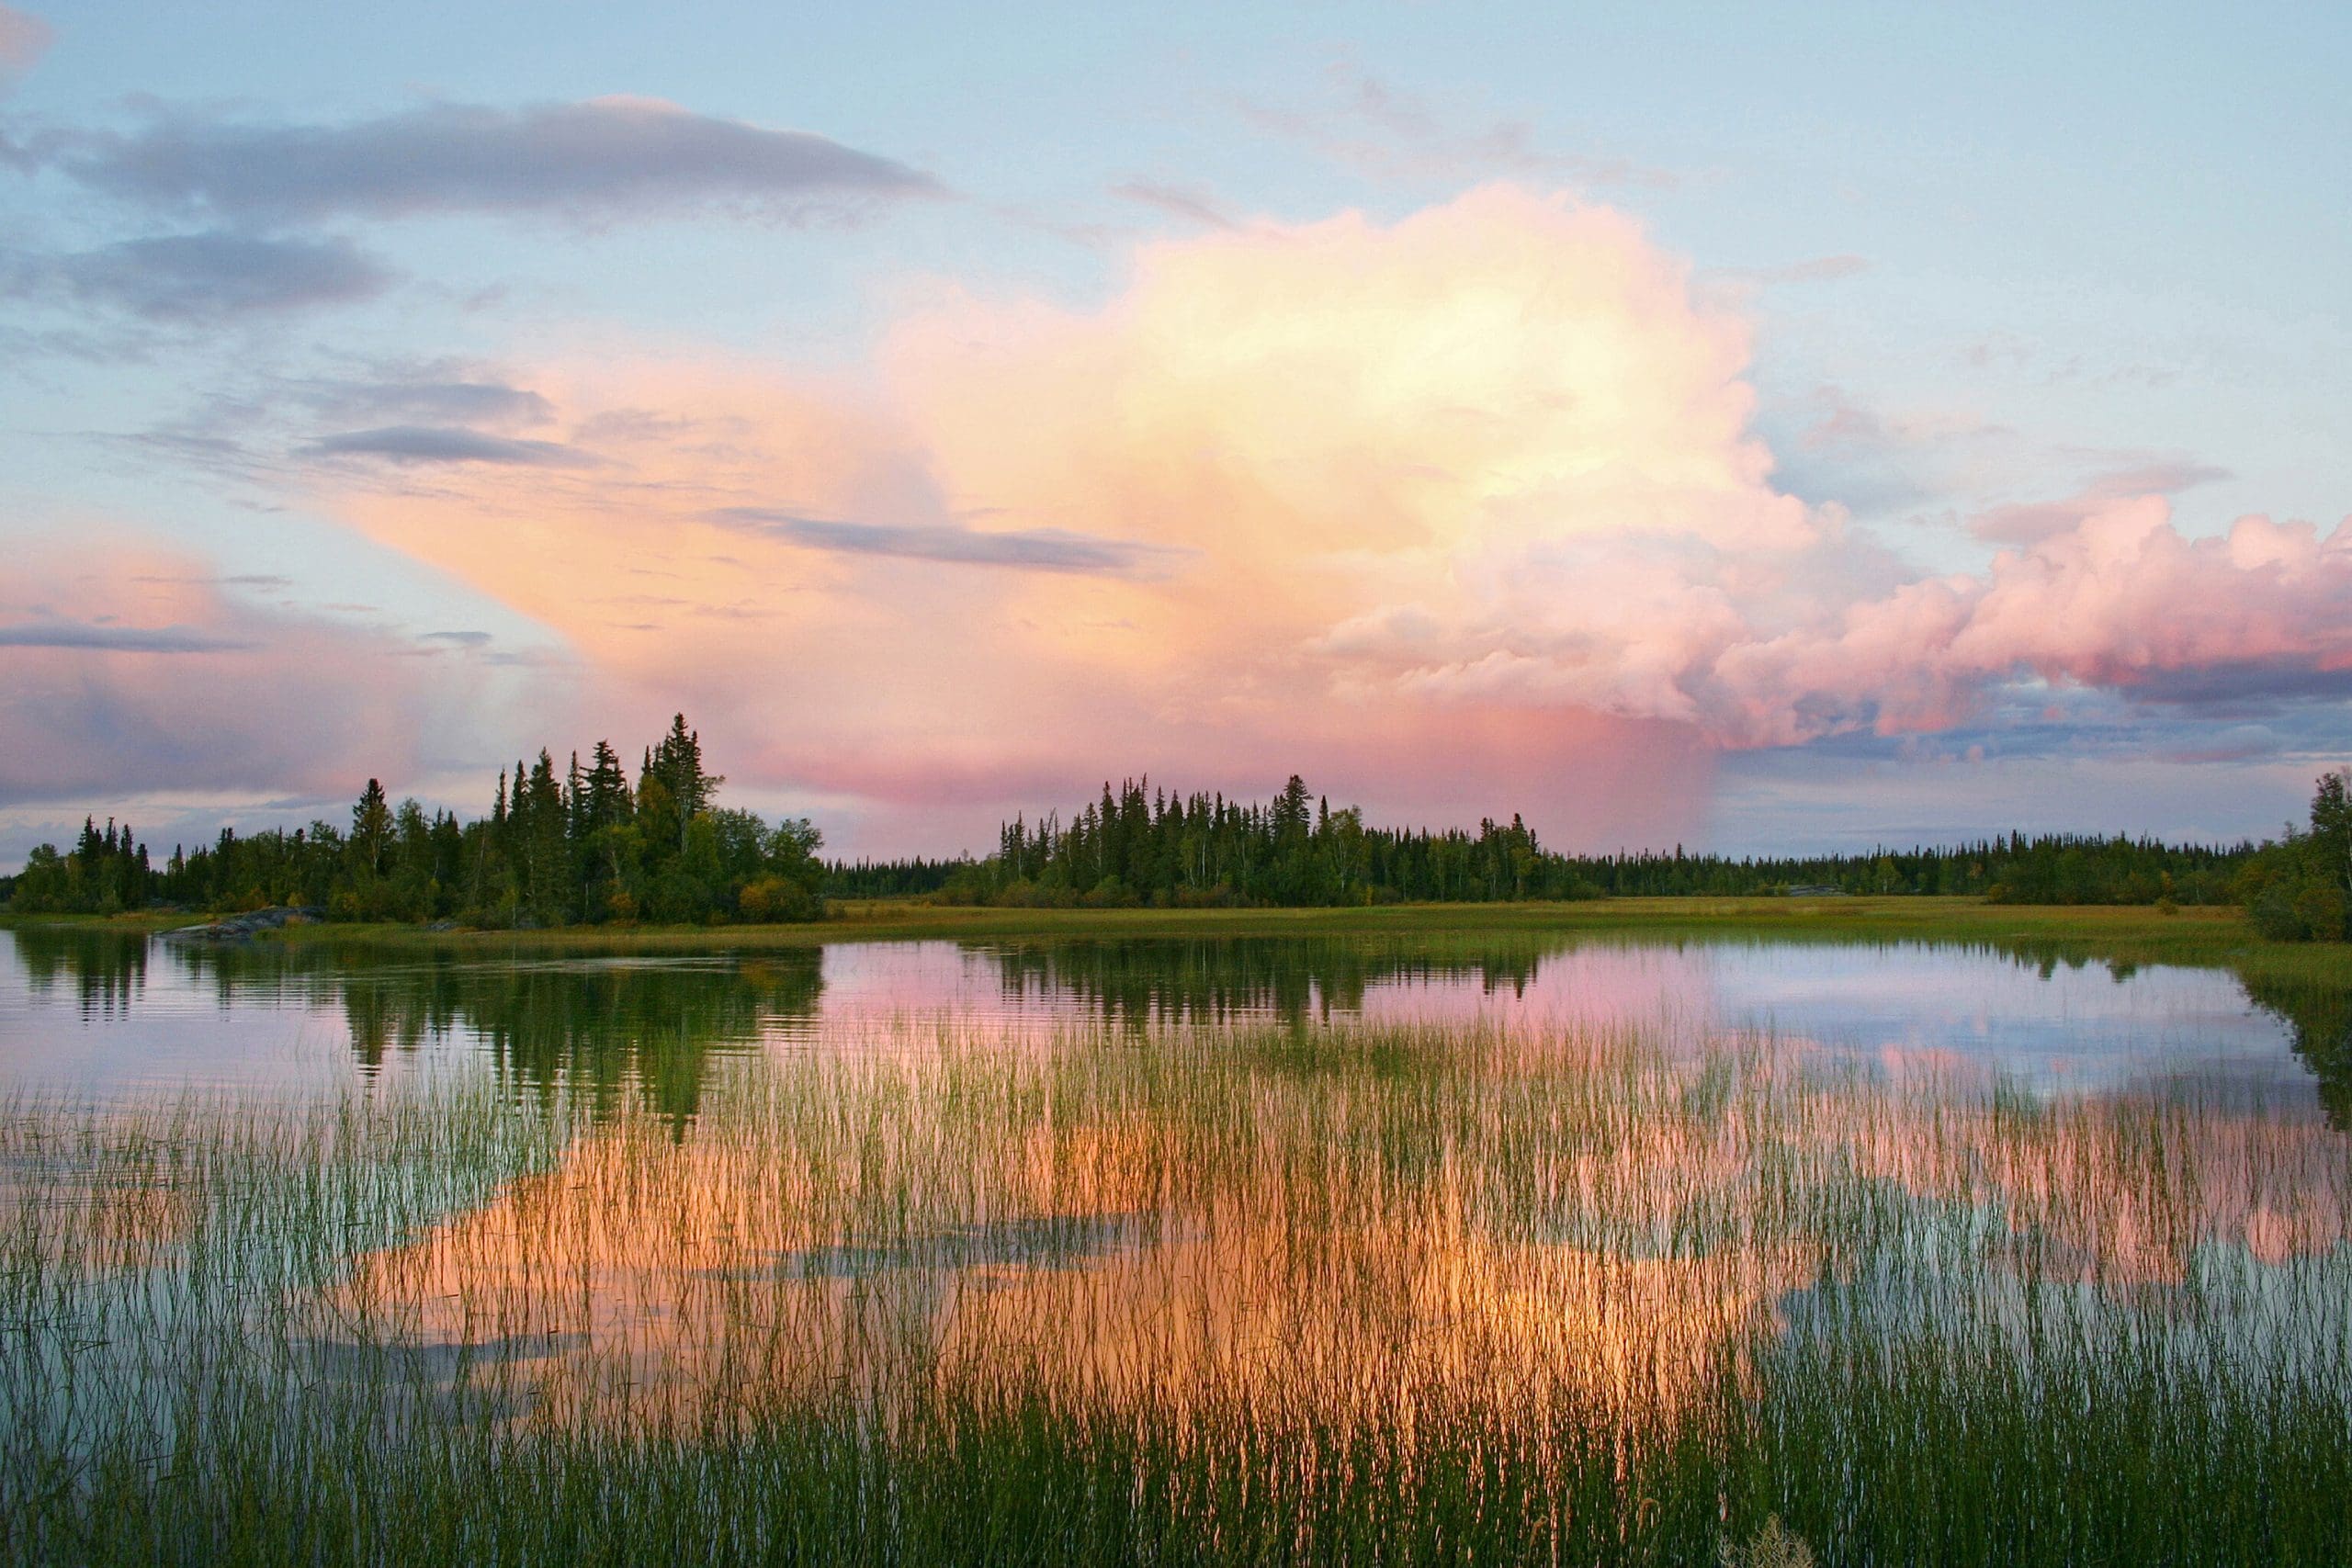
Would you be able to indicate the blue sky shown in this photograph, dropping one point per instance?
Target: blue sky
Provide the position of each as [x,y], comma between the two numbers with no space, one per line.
[2007,259]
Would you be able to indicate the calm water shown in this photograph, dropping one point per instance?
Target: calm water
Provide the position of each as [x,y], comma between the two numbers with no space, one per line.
[1627,1210]
[105,1019]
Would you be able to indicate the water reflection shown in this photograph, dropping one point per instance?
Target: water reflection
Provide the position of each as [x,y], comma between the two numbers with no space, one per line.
[112,1015]
[1588,1225]
[1295,979]
[290,1023]
[1388,1196]
[106,971]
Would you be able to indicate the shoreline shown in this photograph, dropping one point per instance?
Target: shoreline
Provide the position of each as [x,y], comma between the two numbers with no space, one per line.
[2201,936]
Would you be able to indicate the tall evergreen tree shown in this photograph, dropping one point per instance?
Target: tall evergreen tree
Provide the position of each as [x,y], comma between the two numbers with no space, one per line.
[371,828]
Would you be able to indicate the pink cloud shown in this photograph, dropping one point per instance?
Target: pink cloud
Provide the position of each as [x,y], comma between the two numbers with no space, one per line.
[2121,600]
[1460,512]
[2030,522]
[24,39]
[155,676]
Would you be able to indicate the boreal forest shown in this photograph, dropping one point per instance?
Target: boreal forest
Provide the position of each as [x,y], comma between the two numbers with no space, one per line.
[1137,845]
[583,845]
[589,845]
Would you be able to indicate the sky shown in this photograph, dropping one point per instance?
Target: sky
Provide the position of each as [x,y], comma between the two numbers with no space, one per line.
[1755,428]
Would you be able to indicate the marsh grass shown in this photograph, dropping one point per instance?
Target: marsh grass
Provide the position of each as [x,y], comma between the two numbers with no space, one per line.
[1395,1294]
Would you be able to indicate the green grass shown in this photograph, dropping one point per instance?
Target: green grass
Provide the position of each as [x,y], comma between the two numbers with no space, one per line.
[1356,1294]
[2213,936]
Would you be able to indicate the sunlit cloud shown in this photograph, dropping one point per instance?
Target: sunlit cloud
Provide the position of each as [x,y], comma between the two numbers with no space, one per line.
[1464,511]
[158,676]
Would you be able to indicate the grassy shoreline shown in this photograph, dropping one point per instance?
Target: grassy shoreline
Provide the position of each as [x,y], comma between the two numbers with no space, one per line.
[1902,917]
[2211,936]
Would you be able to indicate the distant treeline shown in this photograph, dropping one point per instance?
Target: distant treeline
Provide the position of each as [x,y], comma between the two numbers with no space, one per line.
[1141,846]
[588,846]
[580,847]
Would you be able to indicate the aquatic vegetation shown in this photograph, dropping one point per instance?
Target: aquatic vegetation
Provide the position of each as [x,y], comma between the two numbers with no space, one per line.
[1188,1293]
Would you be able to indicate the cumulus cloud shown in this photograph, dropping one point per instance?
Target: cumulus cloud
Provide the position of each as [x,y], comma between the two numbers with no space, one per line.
[210,276]
[447,443]
[2028,522]
[1461,509]
[2123,601]
[599,158]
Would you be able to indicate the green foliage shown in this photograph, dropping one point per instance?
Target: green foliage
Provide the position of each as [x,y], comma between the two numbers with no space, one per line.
[1774,1546]
[2299,889]
[105,874]
[581,846]
[1142,846]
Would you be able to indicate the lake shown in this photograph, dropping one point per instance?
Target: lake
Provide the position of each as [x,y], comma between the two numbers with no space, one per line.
[1490,1246]
[107,1017]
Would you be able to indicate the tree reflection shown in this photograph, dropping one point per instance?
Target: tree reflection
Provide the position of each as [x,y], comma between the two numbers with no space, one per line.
[1296,980]
[107,969]
[598,1028]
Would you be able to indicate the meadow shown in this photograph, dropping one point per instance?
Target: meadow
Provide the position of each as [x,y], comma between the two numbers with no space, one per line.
[1259,1295]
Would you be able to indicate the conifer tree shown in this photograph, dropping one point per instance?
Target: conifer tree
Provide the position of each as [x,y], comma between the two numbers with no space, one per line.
[371,827]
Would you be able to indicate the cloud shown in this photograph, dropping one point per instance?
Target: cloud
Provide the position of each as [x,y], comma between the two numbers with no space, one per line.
[115,640]
[1381,131]
[101,705]
[1812,270]
[210,276]
[2121,601]
[447,443]
[1461,511]
[1037,550]
[2028,522]
[1194,206]
[601,159]
[437,394]
[24,39]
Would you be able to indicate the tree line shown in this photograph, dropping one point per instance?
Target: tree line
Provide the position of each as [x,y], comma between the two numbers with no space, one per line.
[2299,888]
[582,846]
[1137,845]
[589,845]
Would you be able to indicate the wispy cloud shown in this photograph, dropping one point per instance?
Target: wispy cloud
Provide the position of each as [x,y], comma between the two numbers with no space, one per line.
[1194,206]
[2027,522]
[1380,129]
[1035,550]
[1810,269]
[210,276]
[150,675]
[436,394]
[99,637]
[601,159]
[24,38]
[448,444]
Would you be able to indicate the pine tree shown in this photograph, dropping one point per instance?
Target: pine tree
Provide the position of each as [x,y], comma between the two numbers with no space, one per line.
[677,763]
[371,827]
